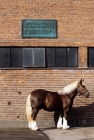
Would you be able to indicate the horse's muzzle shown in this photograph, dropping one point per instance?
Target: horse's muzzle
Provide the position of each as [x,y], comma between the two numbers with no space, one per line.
[86,94]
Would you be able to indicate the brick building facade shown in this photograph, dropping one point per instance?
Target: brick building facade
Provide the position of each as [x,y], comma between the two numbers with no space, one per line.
[75,22]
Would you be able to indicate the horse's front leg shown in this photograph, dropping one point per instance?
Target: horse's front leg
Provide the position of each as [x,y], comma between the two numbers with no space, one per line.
[65,123]
[59,123]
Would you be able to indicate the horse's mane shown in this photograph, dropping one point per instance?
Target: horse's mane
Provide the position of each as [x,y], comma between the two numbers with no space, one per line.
[68,89]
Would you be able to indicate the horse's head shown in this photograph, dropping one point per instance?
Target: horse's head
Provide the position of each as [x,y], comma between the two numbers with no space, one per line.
[82,90]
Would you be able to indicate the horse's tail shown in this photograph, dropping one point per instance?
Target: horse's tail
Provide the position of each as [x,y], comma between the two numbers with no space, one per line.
[28,108]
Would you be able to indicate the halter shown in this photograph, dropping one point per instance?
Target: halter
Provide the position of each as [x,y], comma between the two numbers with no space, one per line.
[84,93]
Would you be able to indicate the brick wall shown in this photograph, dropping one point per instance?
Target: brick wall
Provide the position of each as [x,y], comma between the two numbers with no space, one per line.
[75,28]
[17,84]
[75,21]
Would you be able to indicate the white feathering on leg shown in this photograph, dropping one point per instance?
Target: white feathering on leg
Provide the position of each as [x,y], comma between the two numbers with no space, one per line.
[59,123]
[65,125]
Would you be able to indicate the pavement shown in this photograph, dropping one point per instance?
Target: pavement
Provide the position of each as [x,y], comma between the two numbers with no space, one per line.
[75,133]
[22,134]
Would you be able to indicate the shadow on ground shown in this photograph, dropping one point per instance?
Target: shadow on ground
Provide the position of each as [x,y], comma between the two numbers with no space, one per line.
[22,134]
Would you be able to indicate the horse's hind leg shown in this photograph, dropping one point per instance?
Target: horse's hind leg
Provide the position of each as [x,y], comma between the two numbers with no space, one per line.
[33,122]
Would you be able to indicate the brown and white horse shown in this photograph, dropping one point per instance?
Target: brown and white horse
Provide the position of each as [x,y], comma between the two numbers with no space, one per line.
[61,100]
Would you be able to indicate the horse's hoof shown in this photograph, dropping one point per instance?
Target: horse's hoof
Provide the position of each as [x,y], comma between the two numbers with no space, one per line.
[34,129]
[60,127]
[66,127]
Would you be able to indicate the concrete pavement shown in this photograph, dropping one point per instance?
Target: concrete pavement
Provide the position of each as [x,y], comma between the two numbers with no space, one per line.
[75,133]
[22,134]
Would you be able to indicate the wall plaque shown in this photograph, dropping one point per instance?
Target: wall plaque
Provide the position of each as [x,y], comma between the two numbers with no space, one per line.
[39,28]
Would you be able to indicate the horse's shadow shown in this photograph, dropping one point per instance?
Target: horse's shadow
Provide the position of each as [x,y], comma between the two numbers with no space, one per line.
[79,116]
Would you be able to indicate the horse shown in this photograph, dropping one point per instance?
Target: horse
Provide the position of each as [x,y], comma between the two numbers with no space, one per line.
[62,101]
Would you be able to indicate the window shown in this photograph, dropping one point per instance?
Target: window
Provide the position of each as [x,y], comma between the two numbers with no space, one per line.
[72,54]
[50,57]
[61,57]
[38,57]
[27,57]
[4,57]
[91,57]
[33,57]
[15,57]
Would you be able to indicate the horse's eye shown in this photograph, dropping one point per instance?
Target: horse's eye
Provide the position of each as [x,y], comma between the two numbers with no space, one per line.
[83,86]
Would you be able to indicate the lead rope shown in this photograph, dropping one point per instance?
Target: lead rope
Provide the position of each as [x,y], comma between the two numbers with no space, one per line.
[81,101]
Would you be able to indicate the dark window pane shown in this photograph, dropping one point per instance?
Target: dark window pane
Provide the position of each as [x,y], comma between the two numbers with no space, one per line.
[39,57]
[50,57]
[27,57]
[4,57]
[91,57]
[72,55]
[60,57]
[16,57]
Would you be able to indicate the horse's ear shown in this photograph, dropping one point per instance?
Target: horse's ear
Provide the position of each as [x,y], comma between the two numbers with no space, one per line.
[81,81]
